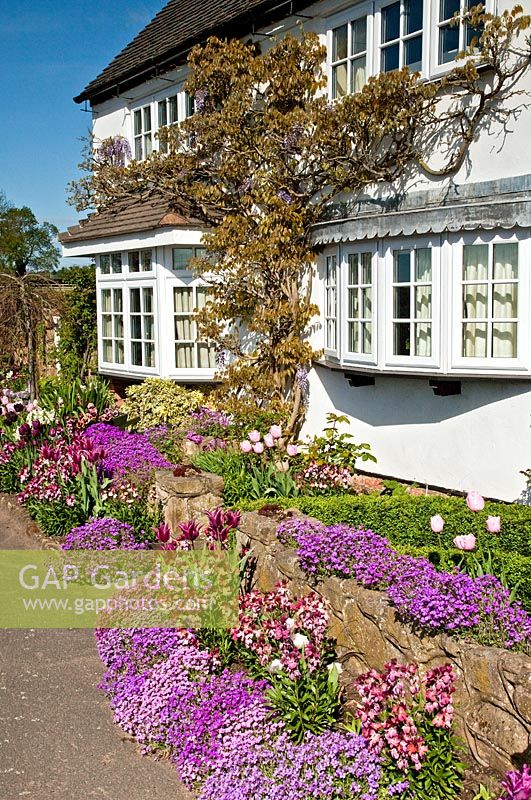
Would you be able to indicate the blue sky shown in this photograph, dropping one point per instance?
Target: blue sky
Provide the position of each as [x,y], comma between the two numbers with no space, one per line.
[49,51]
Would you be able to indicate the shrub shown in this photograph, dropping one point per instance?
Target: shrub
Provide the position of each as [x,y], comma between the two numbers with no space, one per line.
[159,401]
[74,397]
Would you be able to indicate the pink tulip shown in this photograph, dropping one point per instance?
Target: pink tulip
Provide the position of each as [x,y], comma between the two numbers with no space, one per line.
[493,524]
[292,450]
[275,431]
[475,502]
[269,441]
[254,436]
[467,542]
[437,523]
[5,399]
[258,447]
[246,446]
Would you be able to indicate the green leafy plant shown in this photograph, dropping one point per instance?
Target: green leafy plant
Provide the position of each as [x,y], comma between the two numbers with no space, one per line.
[266,480]
[142,516]
[56,518]
[333,447]
[71,398]
[441,776]
[310,703]
[483,794]
[158,401]
[482,562]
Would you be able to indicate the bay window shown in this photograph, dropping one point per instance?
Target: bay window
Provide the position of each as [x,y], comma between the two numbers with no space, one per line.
[140,260]
[412,302]
[360,309]
[331,303]
[190,352]
[142,326]
[112,326]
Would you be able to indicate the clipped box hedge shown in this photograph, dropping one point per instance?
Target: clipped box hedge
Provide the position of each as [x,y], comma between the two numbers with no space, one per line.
[405,521]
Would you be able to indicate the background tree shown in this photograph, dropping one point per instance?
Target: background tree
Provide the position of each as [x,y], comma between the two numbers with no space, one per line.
[29,298]
[78,334]
[264,157]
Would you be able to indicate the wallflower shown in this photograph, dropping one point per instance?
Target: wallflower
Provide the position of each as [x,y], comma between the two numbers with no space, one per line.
[275,667]
[475,501]
[299,641]
[493,524]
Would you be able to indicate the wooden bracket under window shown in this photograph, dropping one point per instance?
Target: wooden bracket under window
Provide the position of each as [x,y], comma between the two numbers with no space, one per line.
[445,388]
[359,379]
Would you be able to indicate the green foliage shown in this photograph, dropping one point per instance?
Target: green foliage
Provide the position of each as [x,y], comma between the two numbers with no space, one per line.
[158,401]
[441,776]
[141,516]
[25,244]
[72,397]
[78,331]
[55,518]
[337,448]
[268,481]
[483,794]
[309,703]
[244,480]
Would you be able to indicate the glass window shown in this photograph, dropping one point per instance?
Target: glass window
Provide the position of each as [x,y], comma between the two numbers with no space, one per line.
[490,301]
[181,257]
[349,57]
[331,303]
[112,326]
[143,133]
[142,327]
[360,307]
[401,36]
[105,264]
[140,261]
[189,352]
[412,302]
[454,33]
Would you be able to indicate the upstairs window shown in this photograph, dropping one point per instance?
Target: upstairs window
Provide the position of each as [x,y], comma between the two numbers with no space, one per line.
[181,257]
[401,35]
[349,57]
[168,114]
[140,260]
[454,36]
[111,263]
[490,301]
[143,133]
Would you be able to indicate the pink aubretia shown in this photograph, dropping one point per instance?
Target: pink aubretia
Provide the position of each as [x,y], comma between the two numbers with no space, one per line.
[279,629]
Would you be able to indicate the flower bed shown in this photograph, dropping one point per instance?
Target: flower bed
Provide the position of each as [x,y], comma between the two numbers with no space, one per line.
[126,452]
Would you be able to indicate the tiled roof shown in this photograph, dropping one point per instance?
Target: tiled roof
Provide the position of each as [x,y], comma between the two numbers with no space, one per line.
[165,41]
[132,217]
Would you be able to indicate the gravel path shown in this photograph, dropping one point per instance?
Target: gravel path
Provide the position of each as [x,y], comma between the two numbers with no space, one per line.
[57,738]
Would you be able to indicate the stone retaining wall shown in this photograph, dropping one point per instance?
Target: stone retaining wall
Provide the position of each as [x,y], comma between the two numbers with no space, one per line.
[187,497]
[494,685]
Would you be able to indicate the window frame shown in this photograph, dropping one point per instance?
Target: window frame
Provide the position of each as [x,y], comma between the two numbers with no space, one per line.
[186,281]
[346,18]
[335,253]
[131,286]
[347,356]
[490,364]
[111,288]
[379,46]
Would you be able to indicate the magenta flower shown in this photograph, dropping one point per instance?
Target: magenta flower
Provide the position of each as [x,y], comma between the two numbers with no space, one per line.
[517,784]
[190,530]
[246,446]
[162,532]
[475,501]
[254,436]
[467,542]
[493,524]
[437,523]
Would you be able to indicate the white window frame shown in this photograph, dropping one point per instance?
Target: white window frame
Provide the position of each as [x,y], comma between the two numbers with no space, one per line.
[335,253]
[491,365]
[186,281]
[352,249]
[183,109]
[347,17]
[141,286]
[144,133]
[436,69]
[377,42]
[112,288]
[421,363]
[129,254]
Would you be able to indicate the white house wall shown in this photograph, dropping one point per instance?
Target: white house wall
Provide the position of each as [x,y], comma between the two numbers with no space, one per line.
[477,440]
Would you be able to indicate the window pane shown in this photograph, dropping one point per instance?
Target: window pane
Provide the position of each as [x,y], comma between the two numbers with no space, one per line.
[331,303]
[423,302]
[138,149]
[473,34]
[353,337]
[475,262]
[136,327]
[147,296]
[105,264]
[475,301]
[504,340]
[149,354]
[331,334]
[475,340]
[366,336]
[134,262]
[116,262]
[366,302]
[148,327]
[505,262]
[402,304]
[117,297]
[106,304]
[106,325]
[118,326]
[201,296]
[390,58]
[353,275]
[413,54]
[447,9]
[339,43]
[353,305]
[146,260]
[505,300]
[448,43]
[391,22]
[172,110]
[190,104]
[181,257]
[182,300]
[423,339]
[135,300]
[402,339]
[148,145]
[184,356]
[358,74]
[359,36]
[423,264]
[138,123]
[183,329]
[136,353]
[107,351]
[147,118]
[413,15]
[163,115]
[119,352]
[339,80]
[366,267]
[206,356]
[402,266]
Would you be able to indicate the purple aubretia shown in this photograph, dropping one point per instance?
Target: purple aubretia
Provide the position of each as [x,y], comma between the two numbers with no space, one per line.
[433,601]
[126,452]
[103,534]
